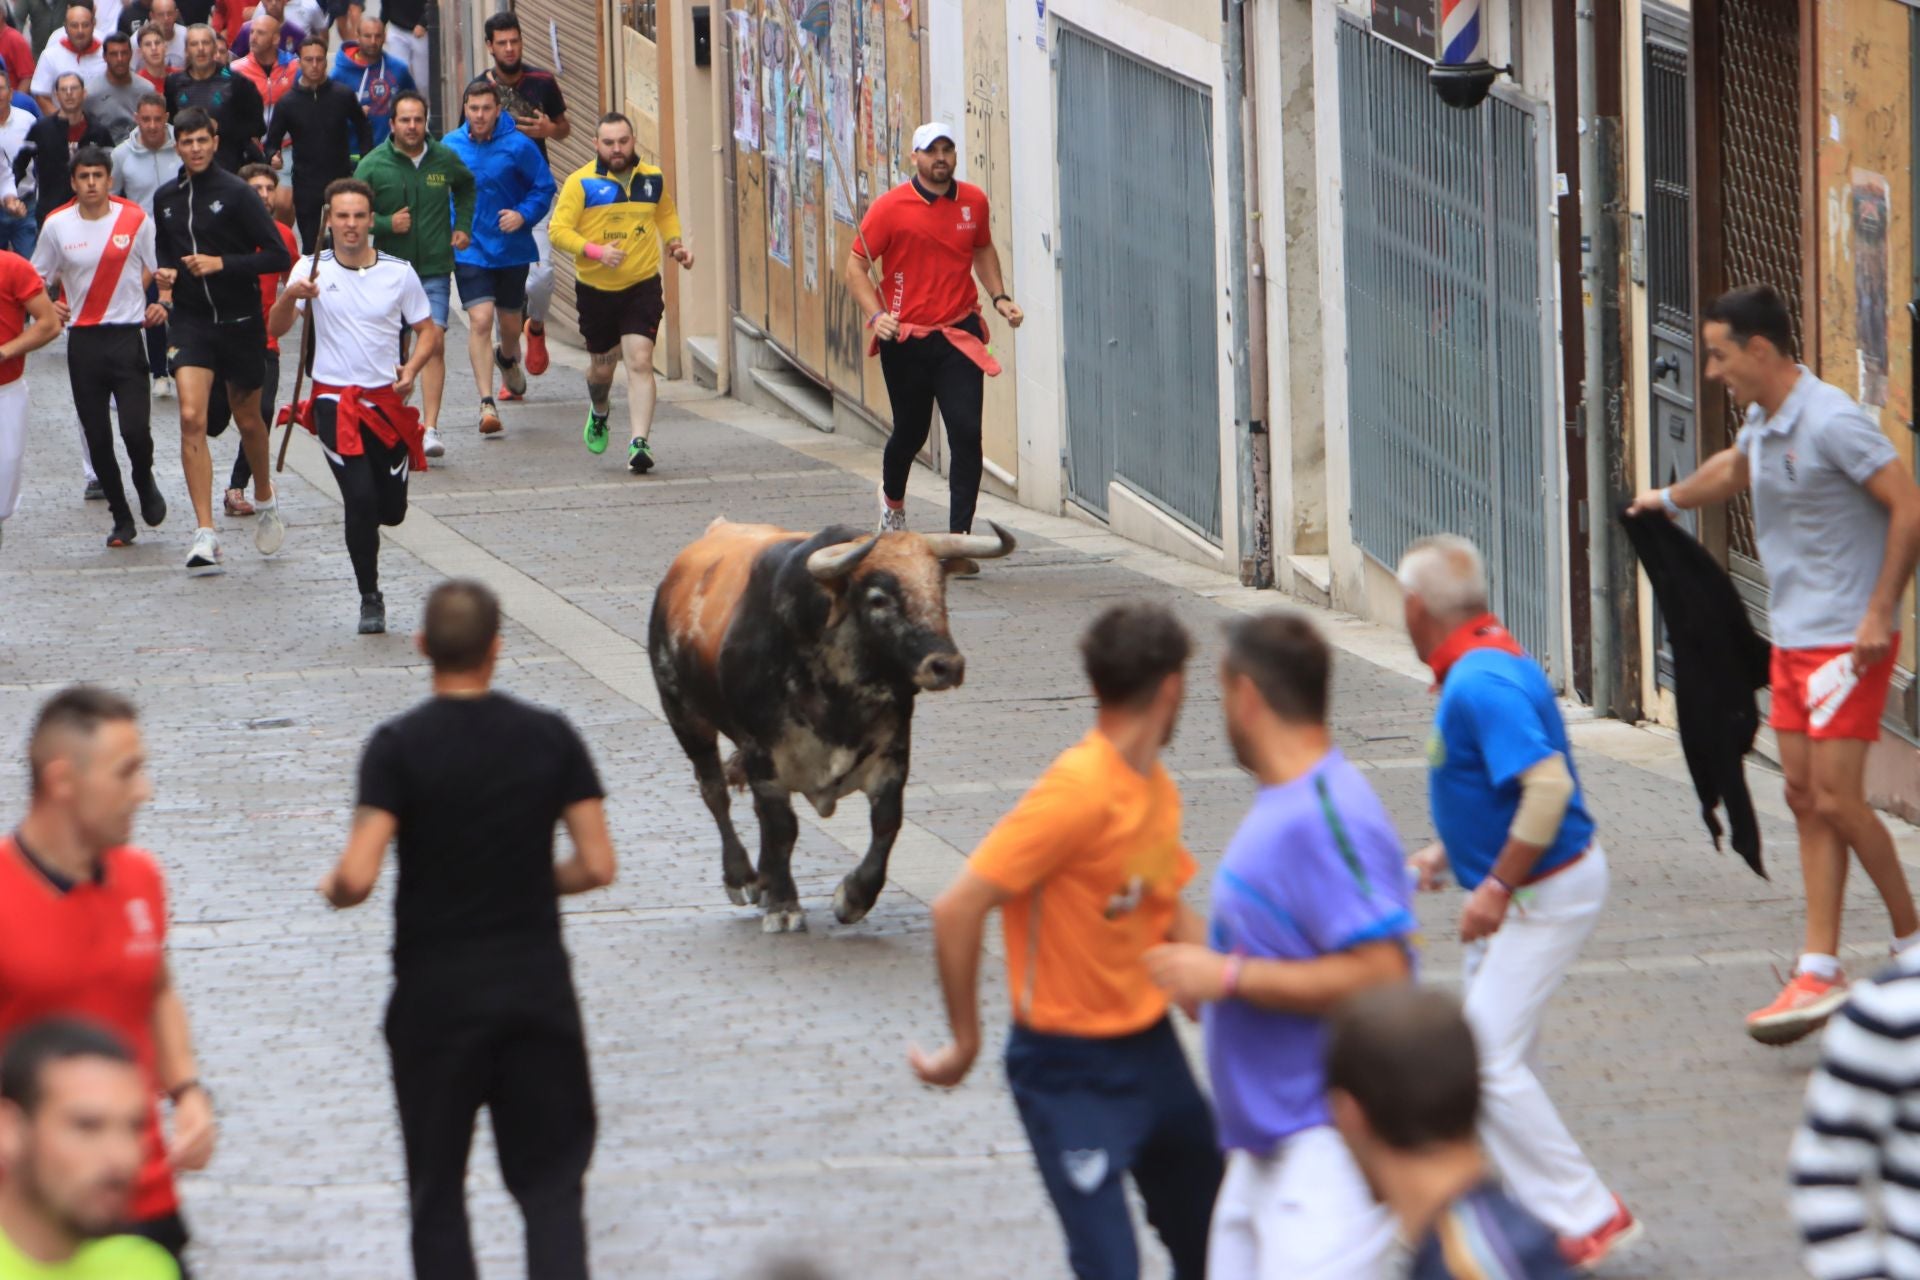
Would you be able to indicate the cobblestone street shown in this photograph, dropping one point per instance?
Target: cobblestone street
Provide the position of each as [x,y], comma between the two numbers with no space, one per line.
[754,1096]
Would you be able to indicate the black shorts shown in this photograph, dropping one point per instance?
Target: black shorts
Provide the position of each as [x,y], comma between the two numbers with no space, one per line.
[236,352]
[607,316]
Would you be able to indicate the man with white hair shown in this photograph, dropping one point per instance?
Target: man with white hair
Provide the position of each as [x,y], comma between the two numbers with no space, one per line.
[1515,829]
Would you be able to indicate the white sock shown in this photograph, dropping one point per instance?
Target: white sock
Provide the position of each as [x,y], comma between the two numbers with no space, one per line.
[1825,968]
[1901,944]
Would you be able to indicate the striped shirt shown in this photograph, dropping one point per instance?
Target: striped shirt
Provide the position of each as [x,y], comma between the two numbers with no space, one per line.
[1862,1123]
[1485,1236]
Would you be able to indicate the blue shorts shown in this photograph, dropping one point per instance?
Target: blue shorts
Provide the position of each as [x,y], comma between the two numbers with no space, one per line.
[439,294]
[504,287]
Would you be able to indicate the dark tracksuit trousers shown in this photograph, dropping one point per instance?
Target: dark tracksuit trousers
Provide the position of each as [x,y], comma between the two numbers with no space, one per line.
[1096,1110]
[919,373]
[107,369]
[373,491]
[496,1027]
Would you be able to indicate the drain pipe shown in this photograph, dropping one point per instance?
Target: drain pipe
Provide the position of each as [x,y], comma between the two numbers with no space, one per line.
[1595,261]
[1253,452]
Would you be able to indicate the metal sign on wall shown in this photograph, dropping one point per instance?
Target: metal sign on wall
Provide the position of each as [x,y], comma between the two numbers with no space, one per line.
[1414,25]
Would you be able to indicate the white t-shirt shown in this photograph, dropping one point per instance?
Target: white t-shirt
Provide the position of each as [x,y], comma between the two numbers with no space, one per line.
[13,136]
[57,59]
[362,311]
[69,253]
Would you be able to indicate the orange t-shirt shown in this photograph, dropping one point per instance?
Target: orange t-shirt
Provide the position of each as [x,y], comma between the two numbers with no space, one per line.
[1093,857]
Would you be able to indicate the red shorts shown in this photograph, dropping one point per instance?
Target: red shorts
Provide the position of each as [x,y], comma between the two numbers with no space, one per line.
[1854,713]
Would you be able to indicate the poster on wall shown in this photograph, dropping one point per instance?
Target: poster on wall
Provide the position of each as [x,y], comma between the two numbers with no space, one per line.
[778,140]
[773,70]
[1870,198]
[810,244]
[810,105]
[746,78]
[779,213]
[840,120]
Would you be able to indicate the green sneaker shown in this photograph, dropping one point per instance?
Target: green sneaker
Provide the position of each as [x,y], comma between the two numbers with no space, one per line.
[639,456]
[596,433]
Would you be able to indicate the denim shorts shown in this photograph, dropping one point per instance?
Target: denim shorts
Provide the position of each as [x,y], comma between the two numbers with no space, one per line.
[504,287]
[439,293]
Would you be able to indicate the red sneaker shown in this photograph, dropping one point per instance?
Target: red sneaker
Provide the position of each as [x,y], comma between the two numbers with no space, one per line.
[536,350]
[1587,1252]
[1802,1007]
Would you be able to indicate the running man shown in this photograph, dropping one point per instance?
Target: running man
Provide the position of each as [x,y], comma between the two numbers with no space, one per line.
[74,50]
[423,215]
[83,925]
[374,76]
[266,184]
[98,252]
[140,165]
[215,239]
[539,110]
[483,1011]
[23,298]
[931,238]
[327,126]
[1837,517]
[1309,907]
[1514,827]
[229,99]
[368,300]
[73,1115]
[1100,1080]
[513,191]
[614,216]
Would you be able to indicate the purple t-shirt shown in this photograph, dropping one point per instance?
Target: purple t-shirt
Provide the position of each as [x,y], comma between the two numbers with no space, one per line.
[1315,868]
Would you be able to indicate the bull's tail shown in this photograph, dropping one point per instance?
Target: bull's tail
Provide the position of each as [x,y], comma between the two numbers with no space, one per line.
[736,772]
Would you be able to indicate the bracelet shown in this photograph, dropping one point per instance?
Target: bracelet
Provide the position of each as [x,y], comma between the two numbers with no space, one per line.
[1002,297]
[1500,884]
[1666,500]
[186,1087]
[1233,975]
[874,318]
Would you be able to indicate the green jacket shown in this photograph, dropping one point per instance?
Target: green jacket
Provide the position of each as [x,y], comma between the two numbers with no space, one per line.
[397,184]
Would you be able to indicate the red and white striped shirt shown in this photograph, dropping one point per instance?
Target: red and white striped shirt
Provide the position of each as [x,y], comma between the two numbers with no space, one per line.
[100,264]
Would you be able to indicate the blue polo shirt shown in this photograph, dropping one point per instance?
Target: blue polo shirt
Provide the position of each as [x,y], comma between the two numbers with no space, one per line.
[1497,719]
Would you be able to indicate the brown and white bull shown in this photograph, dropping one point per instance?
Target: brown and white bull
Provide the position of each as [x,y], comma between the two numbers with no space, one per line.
[806,652]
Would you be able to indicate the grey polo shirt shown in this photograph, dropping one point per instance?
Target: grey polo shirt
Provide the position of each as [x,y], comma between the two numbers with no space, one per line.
[1822,536]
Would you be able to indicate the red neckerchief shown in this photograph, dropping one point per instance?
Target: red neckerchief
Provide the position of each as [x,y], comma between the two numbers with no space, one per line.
[1483,632]
[78,53]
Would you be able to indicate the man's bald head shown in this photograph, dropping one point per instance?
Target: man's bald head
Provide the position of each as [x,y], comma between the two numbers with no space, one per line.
[69,723]
[462,623]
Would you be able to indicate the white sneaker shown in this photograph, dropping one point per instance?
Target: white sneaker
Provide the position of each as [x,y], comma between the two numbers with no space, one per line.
[163,387]
[270,529]
[435,447]
[205,556]
[892,519]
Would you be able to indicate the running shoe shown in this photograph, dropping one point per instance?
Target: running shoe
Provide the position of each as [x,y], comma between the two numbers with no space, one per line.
[153,503]
[596,433]
[123,533]
[373,614]
[93,492]
[639,456]
[163,387]
[205,556]
[236,504]
[271,530]
[432,445]
[892,519]
[1587,1253]
[490,424]
[512,374]
[536,349]
[1802,1007]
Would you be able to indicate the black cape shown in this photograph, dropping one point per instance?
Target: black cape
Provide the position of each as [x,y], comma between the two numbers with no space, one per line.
[1718,663]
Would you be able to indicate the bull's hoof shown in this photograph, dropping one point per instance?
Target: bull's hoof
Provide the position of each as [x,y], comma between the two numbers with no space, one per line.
[845,909]
[744,895]
[784,919]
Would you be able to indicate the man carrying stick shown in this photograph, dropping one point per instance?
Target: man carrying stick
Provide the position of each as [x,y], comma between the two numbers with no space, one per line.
[360,303]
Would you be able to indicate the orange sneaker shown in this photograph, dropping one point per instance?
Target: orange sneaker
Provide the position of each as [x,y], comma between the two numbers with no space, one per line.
[1802,1007]
[536,350]
[1589,1251]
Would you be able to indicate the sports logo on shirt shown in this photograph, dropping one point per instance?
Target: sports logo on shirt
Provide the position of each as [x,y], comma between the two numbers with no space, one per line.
[144,941]
[966,213]
[1792,463]
[1128,900]
[122,241]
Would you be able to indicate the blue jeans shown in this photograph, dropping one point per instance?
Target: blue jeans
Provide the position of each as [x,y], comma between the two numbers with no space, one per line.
[439,291]
[1096,1110]
[19,234]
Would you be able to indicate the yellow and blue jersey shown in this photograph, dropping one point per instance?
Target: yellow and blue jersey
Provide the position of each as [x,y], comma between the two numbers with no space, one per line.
[631,212]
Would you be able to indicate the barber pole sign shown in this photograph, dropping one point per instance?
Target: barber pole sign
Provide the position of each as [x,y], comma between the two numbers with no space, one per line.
[1462,35]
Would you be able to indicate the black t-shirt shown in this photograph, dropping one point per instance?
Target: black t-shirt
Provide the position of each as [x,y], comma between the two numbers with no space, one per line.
[478,785]
[536,90]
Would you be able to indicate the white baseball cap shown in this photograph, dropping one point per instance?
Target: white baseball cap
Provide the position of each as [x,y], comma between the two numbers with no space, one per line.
[931,132]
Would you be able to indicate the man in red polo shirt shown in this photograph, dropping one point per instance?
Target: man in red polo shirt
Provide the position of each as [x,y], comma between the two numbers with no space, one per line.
[83,919]
[930,238]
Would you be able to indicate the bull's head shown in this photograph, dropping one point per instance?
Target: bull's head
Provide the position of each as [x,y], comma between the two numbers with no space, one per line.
[892,590]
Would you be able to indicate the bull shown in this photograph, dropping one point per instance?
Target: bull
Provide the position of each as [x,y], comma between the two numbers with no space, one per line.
[806,652]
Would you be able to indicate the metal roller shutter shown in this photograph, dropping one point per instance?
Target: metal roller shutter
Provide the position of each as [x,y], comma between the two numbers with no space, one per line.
[574,26]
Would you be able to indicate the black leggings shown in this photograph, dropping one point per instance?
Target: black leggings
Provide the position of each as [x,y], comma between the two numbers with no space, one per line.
[107,369]
[373,488]
[919,372]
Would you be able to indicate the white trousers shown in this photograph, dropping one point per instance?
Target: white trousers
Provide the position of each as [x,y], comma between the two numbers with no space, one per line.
[412,50]
[540,277]
[13,444]
[1509,979]
[1303,1213]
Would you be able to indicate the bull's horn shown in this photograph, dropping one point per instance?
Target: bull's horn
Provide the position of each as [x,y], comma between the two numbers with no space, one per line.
[972,546]
[831,563]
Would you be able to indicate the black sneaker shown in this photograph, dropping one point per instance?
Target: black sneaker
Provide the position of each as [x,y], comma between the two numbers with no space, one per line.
[123,533]
[153,504]
[93,492]
[639,456]
[373,614]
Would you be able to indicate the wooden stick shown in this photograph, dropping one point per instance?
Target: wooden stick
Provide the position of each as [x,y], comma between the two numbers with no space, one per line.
[306,346]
